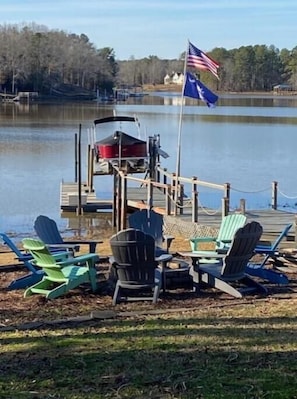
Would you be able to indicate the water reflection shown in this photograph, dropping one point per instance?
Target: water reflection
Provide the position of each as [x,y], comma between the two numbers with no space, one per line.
[54,114]
[248,141]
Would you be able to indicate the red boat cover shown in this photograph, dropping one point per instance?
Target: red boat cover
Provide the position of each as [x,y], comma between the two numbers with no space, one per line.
[131,147]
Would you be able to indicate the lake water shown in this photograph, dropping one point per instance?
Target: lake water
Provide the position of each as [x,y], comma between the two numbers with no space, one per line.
[248,141]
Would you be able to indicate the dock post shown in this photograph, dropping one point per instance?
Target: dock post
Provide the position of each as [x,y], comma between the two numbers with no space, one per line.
[114,199]
[242,206]
[75,158]
[158,174]
[79,208]
[194,200]
[227,198]
[90,168]
[124,203]
[181,199]
[295,225]
[174,193]
[274,195]
[150,199]
[119,202]
[165,179]
[168,199]
[153,157]
[225,206]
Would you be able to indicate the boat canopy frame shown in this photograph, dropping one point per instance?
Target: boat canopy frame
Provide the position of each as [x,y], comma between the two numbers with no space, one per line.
[115,119]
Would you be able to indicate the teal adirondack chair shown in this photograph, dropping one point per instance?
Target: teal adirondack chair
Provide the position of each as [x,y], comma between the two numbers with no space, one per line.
[229,225]
[60,276]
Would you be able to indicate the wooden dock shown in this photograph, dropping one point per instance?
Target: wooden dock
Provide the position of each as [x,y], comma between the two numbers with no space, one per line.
[272,221]
[137,199]
[69,199]
[164,192]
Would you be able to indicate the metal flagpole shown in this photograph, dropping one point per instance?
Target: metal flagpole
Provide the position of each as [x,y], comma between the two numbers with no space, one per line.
[178,155]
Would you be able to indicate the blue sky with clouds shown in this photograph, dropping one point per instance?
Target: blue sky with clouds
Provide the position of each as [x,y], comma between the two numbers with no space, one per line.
[141,28]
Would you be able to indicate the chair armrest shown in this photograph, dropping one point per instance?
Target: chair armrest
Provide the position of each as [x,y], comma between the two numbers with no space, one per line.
[208,254]
[264,250]
[196,240]
[79,259]
[203,239]
[56,247]
[111,260]
[24,257]
[168,240]
[164,258]
[202,254]
[92,243]
[61,256]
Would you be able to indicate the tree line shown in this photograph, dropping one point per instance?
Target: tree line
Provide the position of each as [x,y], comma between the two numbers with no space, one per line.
[35,58]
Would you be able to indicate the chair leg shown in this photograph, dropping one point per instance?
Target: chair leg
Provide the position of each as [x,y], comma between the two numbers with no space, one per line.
[93,279]
[41,287]
[58,291]
[26,281]
[219,284]
[116,293]
[160,280]
[267,274]
[157,289]
[196,279]
[249,282]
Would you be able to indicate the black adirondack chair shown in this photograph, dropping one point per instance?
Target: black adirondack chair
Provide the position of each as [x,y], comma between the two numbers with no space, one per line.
[229,274]
[136,266]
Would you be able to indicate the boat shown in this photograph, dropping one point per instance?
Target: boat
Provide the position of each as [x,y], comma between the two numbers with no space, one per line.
[122,151]
[137,94]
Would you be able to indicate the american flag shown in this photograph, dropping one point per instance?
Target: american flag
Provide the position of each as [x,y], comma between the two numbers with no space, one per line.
[198,59]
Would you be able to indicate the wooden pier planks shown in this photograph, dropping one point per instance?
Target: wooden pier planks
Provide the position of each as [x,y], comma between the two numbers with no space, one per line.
[273,221]
[89,201]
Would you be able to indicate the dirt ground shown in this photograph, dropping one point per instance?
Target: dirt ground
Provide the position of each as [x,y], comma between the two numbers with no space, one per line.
[17,311]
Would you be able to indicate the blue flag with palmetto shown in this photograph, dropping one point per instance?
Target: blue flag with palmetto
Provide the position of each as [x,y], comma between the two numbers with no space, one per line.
[195,89]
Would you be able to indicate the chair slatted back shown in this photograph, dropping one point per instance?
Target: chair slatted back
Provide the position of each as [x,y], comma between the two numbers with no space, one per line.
[241,250]
[134,256]
[22,257]
[230,224]
[43,258]
[149,222]
[282,235]
[47,230]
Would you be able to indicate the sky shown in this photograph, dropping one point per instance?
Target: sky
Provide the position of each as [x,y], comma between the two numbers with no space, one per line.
[162,28]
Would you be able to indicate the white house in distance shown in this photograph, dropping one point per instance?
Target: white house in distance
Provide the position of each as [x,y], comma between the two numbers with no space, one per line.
[282,89]
[175,78]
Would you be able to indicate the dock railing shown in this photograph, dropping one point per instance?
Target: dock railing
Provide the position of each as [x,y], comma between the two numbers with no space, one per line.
[173,190]
[178,190]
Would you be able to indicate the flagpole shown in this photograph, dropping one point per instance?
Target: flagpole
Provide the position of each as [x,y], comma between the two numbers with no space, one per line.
[178,154]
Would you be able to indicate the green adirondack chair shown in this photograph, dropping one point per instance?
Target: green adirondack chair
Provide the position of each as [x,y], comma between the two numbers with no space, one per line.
[60,276]
[230,224]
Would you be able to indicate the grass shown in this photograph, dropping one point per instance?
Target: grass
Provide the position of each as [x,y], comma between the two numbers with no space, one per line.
[221,349]
[221,352]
